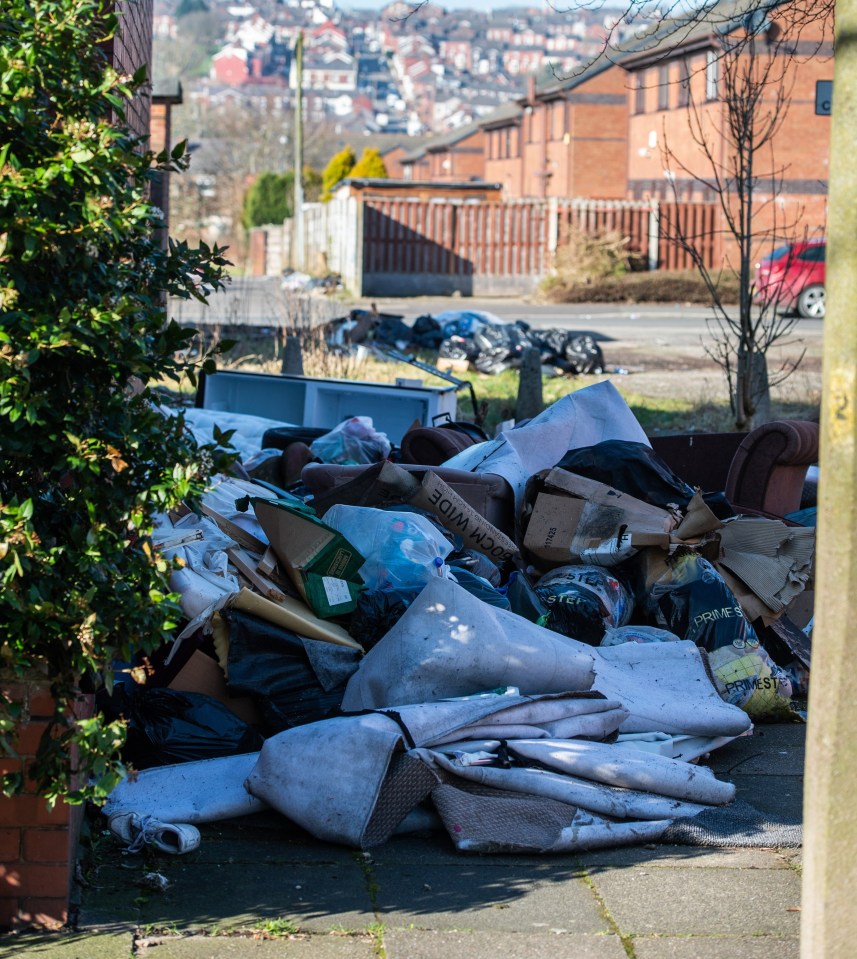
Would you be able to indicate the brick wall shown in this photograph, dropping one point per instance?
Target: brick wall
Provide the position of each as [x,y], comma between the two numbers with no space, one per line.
[460,161]
[662,145]
[130,49]
[38,845]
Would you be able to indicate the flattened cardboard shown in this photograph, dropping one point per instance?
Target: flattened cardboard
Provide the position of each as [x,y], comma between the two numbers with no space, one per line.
[387,484]
[304,546]
[459,517]
[774,560]
[291,614]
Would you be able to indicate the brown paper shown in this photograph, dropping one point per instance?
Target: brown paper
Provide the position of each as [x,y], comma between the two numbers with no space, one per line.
[698,519]
[291,614]
[202,674]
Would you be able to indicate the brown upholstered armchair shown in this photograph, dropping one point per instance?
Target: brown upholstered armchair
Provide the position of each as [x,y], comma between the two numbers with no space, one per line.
[762,471]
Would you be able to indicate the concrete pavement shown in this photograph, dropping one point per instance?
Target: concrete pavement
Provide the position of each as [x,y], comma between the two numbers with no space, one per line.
[259,887]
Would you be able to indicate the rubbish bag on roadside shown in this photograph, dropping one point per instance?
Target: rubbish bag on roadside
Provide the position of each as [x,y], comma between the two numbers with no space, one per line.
[582,601]
[692,600]
[426,332]
[457,348]
[573,352]
[167,726]
[283,672]
[581,354]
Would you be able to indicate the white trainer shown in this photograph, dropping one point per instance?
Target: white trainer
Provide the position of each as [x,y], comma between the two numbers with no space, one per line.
[137,831]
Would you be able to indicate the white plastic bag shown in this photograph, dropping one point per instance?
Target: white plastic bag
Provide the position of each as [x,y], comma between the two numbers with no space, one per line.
[402,549]
[353,442]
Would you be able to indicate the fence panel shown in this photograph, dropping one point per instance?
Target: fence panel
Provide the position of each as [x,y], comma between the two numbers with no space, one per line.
[465,242]
[684,225]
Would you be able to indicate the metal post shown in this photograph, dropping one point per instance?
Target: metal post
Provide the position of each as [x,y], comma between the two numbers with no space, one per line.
[300,252]
[654,234]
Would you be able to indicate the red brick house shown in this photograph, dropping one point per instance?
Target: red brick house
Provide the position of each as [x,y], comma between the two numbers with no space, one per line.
[566,139]
[231,66]
[682,83]
[456,157]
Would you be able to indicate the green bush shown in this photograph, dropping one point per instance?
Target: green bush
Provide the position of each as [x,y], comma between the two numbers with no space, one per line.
[340,166]
[270,199]
[370,164]
[86,458]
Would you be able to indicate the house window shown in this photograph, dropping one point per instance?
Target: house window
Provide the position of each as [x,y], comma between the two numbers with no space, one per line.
[640,94]
[683,83]
[663,87]
[507,144]
[712,74]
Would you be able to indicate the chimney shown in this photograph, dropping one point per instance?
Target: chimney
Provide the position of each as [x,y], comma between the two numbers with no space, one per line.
[531,90]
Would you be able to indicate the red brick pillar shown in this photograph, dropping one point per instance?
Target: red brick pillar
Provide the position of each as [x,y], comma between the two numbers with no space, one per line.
[38,845]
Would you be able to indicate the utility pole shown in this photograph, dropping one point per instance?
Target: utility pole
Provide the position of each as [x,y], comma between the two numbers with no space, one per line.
[829,919]
[299,257]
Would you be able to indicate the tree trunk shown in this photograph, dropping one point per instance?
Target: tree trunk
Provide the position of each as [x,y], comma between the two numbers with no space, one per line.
[752,391]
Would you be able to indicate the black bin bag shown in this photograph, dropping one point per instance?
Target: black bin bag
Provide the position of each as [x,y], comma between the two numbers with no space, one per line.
[166,726]
[378,611]
[293,680]
[636,469]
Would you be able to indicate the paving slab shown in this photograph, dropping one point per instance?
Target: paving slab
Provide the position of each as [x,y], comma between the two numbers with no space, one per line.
[486,898]
[318,897]
[62,945]
[436,848]
[240,947]
[431,944]
[781,797]
[683,901]
[773,750]
[726,947]
[696,857]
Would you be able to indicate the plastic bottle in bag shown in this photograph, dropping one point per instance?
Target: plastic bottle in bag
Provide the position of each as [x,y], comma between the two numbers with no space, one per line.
[402,549]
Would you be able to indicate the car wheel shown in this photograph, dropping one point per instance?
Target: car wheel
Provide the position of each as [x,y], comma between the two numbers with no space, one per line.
[810,303]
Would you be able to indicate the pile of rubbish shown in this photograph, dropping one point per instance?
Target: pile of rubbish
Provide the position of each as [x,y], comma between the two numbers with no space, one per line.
[473,337]
[506,647]
[295,281]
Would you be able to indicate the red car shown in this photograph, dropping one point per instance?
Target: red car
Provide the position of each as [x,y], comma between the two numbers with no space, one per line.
[793,277]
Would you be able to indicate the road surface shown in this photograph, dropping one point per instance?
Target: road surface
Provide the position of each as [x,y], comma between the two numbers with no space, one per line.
[260,302]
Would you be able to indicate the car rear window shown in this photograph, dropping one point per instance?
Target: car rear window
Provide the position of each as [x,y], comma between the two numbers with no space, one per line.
[814,253]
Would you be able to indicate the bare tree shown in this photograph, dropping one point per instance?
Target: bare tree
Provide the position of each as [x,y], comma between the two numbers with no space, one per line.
[734,160]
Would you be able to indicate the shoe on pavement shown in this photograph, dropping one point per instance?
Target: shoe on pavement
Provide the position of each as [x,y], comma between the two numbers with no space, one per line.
[137,831]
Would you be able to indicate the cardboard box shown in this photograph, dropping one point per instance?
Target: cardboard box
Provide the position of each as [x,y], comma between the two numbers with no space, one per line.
[578,520]
[455,514]
[202,674]
[320,562]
